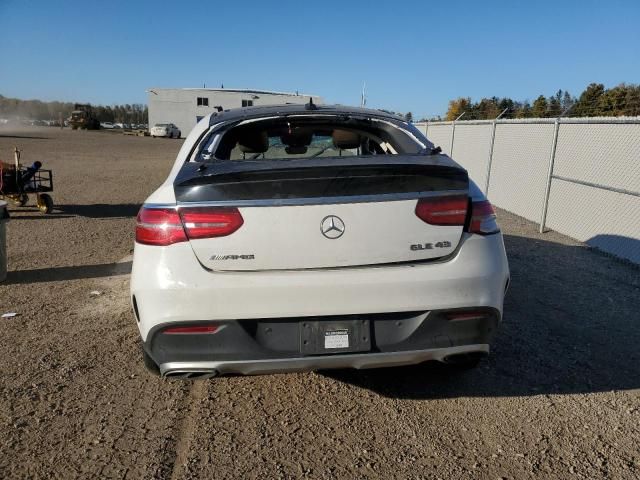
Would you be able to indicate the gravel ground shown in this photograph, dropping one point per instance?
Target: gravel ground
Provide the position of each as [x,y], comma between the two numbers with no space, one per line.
[558,397]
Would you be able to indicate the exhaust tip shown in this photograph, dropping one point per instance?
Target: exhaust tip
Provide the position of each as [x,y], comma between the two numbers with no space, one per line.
[191,375]
[470,359]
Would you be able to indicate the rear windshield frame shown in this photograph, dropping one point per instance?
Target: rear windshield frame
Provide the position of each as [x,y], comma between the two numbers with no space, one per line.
[411,140]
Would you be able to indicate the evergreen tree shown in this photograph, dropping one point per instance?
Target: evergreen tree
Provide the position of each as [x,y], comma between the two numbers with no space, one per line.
[524,110]
[508,105]
[587,104]
[540,107]
[567,102]
[632,101]
[487,109]
[555,105]
[612,103]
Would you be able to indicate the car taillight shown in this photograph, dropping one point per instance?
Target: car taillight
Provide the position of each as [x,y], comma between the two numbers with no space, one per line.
[446,210]
[159,226]
[483,218]
[208,222]
[166,226]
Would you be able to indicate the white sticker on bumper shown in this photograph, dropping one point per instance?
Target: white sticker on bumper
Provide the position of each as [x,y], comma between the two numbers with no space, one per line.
[336,339]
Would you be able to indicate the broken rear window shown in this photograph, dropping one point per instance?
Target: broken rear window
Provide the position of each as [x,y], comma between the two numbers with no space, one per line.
[307,137]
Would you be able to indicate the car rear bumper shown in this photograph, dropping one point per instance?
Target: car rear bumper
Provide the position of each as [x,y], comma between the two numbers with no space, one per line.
[206,369]
[290,344]
[168,285]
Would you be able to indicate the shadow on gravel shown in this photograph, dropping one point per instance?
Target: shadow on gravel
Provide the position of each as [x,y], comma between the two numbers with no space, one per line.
[101,210]
[31,137]
[570,326]
[51,216]
[57,274]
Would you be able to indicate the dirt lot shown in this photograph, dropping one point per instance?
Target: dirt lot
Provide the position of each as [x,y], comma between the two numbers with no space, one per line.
[558,398]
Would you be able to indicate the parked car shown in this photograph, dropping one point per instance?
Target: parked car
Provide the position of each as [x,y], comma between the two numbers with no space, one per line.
[106,125]
[118,125]
[298,237]
[168,130]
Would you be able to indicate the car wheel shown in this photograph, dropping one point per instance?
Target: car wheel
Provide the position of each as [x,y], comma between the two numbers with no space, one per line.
[149,364]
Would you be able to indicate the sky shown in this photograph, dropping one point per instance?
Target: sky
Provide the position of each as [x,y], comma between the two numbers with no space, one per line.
[413,55]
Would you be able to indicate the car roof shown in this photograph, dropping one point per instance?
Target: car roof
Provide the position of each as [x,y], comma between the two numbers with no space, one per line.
[293,109]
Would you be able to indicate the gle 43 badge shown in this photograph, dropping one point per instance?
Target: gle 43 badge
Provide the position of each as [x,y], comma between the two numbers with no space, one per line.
[430,246]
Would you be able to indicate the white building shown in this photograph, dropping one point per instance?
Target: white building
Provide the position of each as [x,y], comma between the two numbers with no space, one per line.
[184,107]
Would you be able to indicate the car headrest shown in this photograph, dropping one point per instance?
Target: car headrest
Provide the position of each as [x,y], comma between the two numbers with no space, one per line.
[297,138]
[254,142]
[346,139]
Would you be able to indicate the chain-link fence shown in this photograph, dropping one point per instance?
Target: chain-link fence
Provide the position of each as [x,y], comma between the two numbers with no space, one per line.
[578,176]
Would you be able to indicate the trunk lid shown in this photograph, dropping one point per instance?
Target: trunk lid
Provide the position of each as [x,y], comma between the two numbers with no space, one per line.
[325,212]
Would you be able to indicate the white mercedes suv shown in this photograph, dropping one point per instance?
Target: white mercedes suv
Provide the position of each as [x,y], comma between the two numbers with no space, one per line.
[302,237]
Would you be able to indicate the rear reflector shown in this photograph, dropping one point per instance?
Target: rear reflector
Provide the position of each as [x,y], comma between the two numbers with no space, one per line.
[191,329]
[159,226]
[446,210]
[460,316]
[483,218]
[208,222]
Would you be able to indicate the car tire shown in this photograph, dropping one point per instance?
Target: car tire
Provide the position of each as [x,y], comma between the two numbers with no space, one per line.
[149,364]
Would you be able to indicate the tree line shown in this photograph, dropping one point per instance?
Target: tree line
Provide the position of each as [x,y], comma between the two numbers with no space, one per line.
[594,101]
[39,110]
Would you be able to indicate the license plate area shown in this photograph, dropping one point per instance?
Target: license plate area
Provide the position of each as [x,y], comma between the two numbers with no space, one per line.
[319,337]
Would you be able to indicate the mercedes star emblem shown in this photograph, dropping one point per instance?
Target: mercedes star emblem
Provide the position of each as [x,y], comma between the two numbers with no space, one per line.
[332,227]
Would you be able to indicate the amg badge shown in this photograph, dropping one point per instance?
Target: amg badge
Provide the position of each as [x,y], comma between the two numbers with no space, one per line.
[232,257]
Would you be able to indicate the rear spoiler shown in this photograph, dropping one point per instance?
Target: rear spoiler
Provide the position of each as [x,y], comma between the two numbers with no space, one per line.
[291,181]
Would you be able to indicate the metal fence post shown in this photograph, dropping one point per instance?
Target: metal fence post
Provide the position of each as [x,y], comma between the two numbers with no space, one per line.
[453,133]
[490,159]
[552,159]
[426,130]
